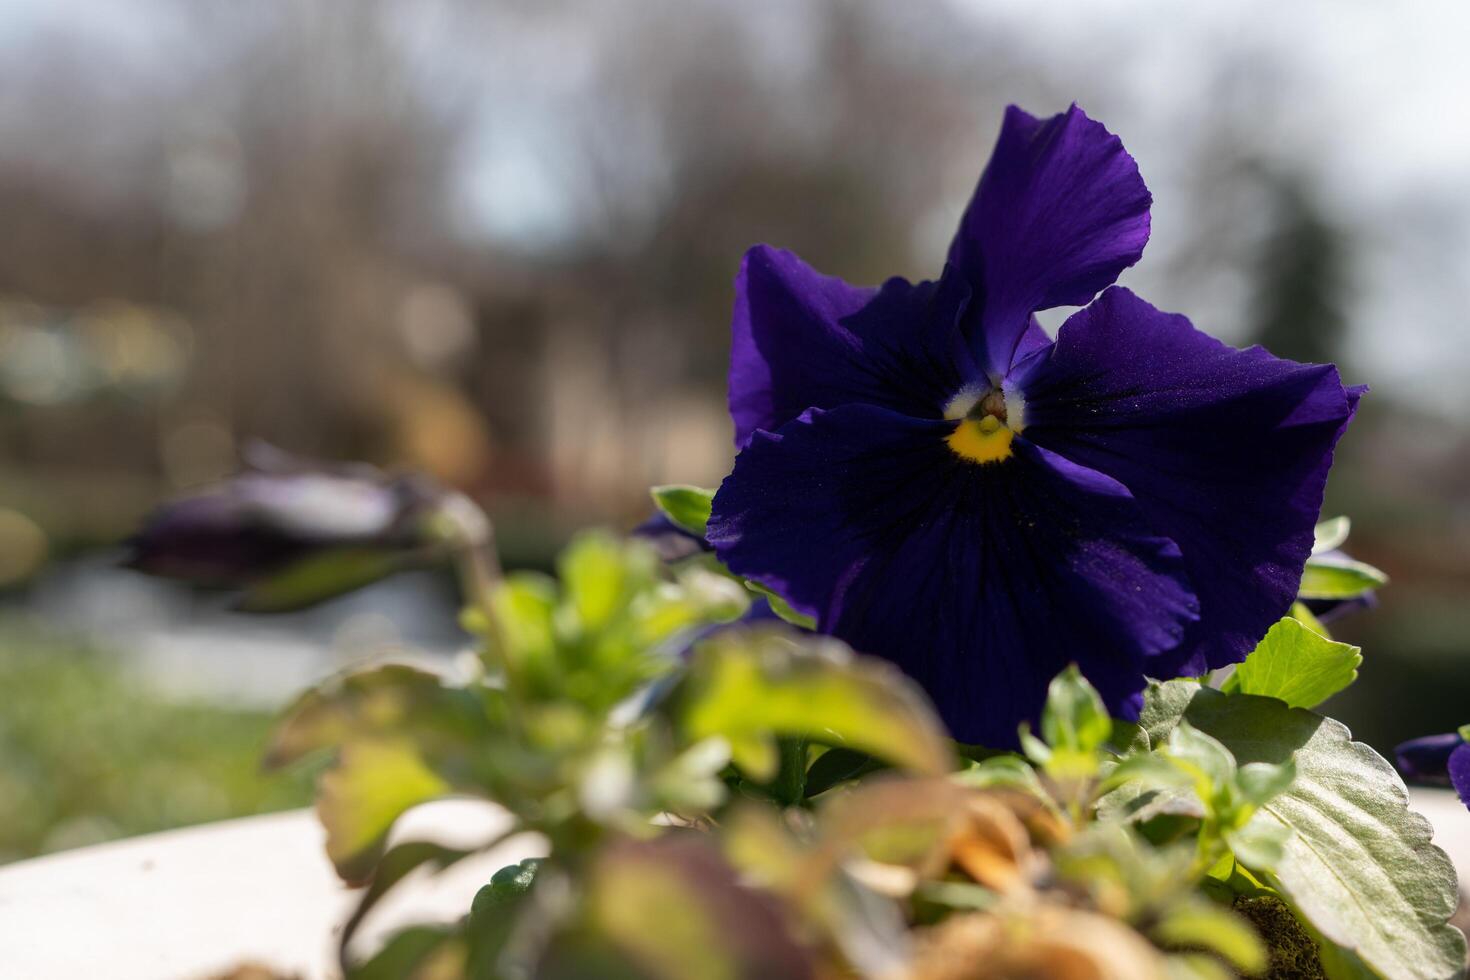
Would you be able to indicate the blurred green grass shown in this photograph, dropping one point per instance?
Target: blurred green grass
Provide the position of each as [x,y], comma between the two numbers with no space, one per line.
[88,753]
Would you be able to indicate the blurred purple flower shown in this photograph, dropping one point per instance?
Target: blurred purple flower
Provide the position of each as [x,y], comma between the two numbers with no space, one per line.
[353,524]
[1440,760]
[671,542]
[935,481]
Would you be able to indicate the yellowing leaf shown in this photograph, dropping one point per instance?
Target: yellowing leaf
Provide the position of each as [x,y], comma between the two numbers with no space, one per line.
[380,700]
[373,783]
[749,686]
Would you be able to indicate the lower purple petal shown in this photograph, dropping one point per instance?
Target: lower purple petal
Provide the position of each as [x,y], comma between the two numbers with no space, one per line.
[1225,450]
[982,581]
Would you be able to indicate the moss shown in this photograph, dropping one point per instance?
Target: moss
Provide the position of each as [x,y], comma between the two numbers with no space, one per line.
[1293,951]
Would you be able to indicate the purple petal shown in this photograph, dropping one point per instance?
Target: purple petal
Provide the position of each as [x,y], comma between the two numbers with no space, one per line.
[982,581]
[1060,211]
[669,540]
[804,340]
[1427,759]
[214,539]
[259,522]
[1332,610]
[1459,768]
[1226,451]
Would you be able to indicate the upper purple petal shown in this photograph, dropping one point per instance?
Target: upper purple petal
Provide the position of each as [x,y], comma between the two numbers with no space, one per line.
[1226,451]
[804,340]
[1059,212]
[982,581]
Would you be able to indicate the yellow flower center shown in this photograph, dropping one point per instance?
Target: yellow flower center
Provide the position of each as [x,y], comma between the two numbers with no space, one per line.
[988,420]
[983,440]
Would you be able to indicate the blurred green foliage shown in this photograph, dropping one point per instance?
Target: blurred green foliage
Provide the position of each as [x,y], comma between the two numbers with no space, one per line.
[89,754]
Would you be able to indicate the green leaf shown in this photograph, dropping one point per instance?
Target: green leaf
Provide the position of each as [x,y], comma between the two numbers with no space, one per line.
[1358,865]
[323,576]
[505,887]
[395,865]
[676,908]
[1202,924]
[494,914]
[1210,763]
[523,607]
[373,783]
[1258,845]
[1330,534]
[782,608]
[1339,578]
[688,507]
[749,686]
[1008,771]
[1260,781]
[838,766]
[601,574]
[1074,717]
[411,951]
[1296,665]
[1303,615]
[1197,966]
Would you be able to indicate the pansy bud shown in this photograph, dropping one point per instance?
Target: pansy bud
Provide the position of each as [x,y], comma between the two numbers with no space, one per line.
[292,533]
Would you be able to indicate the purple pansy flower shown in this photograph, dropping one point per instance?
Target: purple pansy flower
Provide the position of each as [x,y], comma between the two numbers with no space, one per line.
[935,481]
[1441,760]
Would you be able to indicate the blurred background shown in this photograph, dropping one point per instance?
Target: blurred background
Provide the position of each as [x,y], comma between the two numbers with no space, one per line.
[495,241]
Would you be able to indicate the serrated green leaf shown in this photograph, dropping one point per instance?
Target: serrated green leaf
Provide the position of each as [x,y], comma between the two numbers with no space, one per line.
[1296,665]
[1330,534]
[1339,578]
[1358,864]
[687,506]
[749,686]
